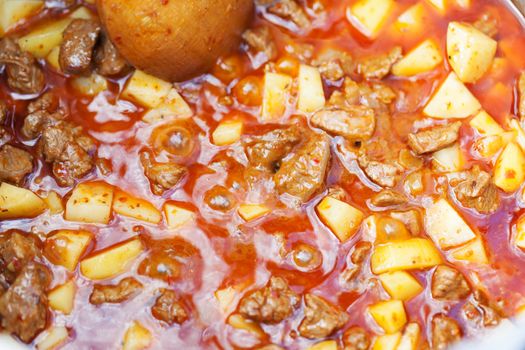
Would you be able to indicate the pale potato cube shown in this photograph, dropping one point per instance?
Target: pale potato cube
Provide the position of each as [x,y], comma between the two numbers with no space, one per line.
[401,285]
[342,218]
[62,298]
[387,341]
[472,252]
[470,52]
[448,159]
[41,40]
[275,95]
[369,16]
[452,100]
[13,11]
[137,337]
[225,297]
[445,226]
[146,89]
[410,254]
[325,345]
[509,171]
[177,216]
[65,247]
[17,202]
[54,203]
[52,58]
[389,315]
[172,107]
[439,5]
[134,207]
[412,19]
[53,338]
[519,241]
[520,133]
[90,202]
[251,212]
[423,58]
[239,322]
[488,146]
[111,261]
[227,132]
[91,85]
[311,91]
[485,124]
[410,338]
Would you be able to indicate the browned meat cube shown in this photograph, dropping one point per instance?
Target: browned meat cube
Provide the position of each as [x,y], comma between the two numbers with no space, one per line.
[78,44]
[169,308]
[117,293]
[261,42]
[321,319]
[352,122]
[290,10]
[17,249]
[475,190]
[388,198]
[108,60]
[434,139]
[356,338]
[162,176]
[271,304]
[378,67]
[449,284]
[24,75]
[445,332]
[15,164]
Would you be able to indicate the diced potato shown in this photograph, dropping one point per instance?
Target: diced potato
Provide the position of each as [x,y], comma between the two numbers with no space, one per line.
[177,216]
[423,58]
[311,92]
[65,247]
[342,218]
[389,315]
[239,322]
[17,202]
[137,337]
[324,345]
[54,203]
[146,89]
[227,132]
[448,159]
[414,253]
[520,133]
[369,16]
[172,107]
[509,171]
[275,95]
[111,261]
[412,19]
[53,338]
[251,212]
[473,252]
[445,226]
[488,146]
[452,100]
[91,85]
[387,341]
[401,285]
[485,124]
[520,233]
[52,58]
[90,202]
[464,3]
[134,207]
[439,5]
[410,338]
[470,52]
[43,39]
[82,12]
[13,11]
[225,297]
[62,298]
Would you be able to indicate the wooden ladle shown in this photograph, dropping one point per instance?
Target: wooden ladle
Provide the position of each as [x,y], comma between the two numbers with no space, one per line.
[175,39]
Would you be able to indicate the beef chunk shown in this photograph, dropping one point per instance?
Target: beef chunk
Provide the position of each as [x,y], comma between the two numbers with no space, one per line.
[487,24]
[271,304]
[76,50]
[353,122]
[379,67]
[118,293]
[349,277]
[15,164]
[379,163]
[445,332]
[356,338]
[162,176]
[303,174]
[388,198]
[265,151]
[108,60]
[474,189]
[261,43]
[24,75]
[361,251]
[521,96]
[481,310]
[169,308]
[290,10]
[435,139]
[3,112]
[17,249]
[42,112]
[321,319]
[334,64]
[23,308]
[449,284]
[65,146]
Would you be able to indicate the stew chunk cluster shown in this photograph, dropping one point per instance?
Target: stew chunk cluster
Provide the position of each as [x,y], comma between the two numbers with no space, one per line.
[350,178]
